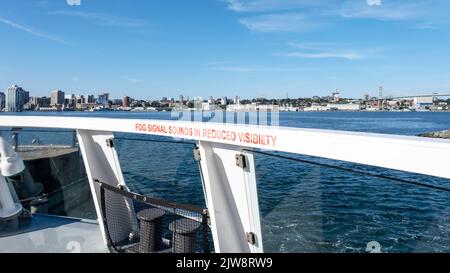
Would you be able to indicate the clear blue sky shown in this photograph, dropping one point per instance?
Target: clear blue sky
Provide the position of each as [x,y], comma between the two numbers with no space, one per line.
[149,49]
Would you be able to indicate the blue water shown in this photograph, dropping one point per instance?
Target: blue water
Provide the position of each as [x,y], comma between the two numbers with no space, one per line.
[306,208]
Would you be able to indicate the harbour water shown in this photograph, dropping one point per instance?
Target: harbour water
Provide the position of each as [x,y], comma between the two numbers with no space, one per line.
[306,208]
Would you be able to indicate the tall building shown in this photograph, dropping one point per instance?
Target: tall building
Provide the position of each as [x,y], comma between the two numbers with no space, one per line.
[57,98]
[224,101]
[103,99]
[16,98]
[45,102]
[35,101]
[90,99]
[236,100]
[126,101]
[70,100]
[2,100]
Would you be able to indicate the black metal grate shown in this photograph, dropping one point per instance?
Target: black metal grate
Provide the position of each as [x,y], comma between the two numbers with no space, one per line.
[158,226]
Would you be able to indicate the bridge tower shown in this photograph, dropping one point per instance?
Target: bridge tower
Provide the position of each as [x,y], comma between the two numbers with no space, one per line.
[380,98]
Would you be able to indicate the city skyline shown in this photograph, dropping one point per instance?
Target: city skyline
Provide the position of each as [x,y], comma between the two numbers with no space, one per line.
[255,48]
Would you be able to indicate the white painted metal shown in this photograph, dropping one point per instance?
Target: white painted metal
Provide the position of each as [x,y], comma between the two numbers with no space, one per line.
[253,211]
[8,208]
[405,153]
[10,162]
[102,163]
[231,197]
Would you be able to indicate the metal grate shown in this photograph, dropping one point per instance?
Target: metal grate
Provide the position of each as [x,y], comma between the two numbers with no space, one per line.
[159,226]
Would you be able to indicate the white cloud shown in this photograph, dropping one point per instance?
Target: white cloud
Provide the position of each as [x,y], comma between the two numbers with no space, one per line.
[243,6]
[374,2]
[320,12]
[312,46]
[391,11]
[31,31]
[325,54]
[283,22]
[104,19]
[326,50]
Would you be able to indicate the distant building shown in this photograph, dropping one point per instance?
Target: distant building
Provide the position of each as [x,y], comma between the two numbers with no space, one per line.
[16,98]
[423,100]
[236,100]
[90,99]
[181,99]
[344,107]
[224,101]
[70,100]
[335,96]
[57,98]
[2,101]
[103,99]
[126,101]
[35,102]
[45,102]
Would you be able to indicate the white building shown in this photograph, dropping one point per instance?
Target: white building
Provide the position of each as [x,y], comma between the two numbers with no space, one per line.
[16,98]
[57,97]
[335,96]
[316,107]
[344,107]
[423,100]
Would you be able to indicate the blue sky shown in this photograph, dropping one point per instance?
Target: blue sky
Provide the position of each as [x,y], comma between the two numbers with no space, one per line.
[255,48]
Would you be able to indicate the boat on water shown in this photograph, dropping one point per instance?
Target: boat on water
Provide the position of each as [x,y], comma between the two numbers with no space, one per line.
[128,222]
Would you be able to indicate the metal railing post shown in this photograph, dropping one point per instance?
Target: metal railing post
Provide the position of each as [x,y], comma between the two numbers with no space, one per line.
[15,138]
[74,138]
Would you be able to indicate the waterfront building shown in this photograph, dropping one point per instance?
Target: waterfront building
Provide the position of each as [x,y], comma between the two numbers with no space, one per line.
[90,99]
[424,101]
[2,101]
[57,98]
[103,99]
[224,101]
[16,98]
[335,96]
[70,100]
[34,102]
[126,101]
[344,106]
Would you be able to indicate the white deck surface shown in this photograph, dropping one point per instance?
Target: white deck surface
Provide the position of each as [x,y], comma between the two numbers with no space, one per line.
[50,234]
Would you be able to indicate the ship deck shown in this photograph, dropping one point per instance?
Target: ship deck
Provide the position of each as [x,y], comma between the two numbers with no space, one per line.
[54,234]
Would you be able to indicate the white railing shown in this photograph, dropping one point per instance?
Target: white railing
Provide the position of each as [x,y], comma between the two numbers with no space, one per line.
[230,188]
[405,153]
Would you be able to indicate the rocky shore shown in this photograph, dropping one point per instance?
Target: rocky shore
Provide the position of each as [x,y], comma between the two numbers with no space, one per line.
[440,134]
